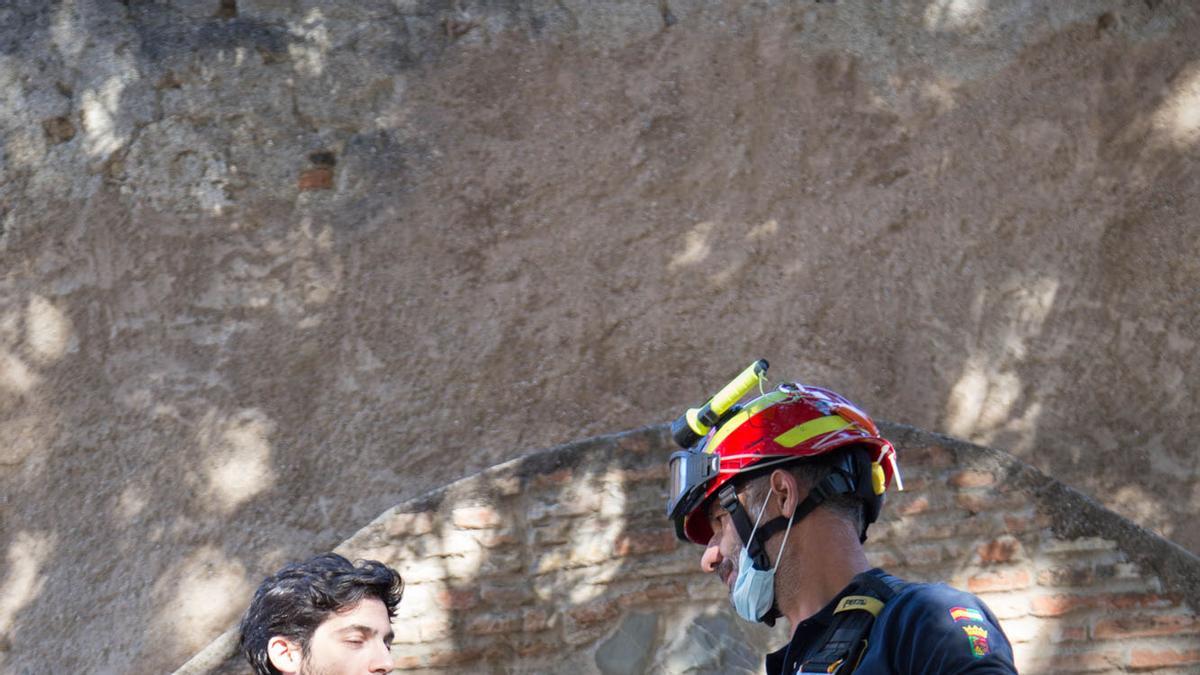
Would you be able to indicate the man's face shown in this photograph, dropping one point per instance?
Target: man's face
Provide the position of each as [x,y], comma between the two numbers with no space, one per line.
[721,554]
[355,641]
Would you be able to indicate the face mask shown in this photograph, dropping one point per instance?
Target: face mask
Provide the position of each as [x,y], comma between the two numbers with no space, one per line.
[754,589]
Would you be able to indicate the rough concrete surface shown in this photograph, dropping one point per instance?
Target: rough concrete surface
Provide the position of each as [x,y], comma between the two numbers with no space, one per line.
[268,267]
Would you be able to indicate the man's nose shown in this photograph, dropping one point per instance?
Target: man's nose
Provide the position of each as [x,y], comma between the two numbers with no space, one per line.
[712,556]
[381,661]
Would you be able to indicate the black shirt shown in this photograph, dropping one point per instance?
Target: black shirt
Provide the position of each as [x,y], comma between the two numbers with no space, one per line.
[924,630]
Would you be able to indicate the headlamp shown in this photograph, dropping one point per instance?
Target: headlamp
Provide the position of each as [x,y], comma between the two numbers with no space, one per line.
[691,469]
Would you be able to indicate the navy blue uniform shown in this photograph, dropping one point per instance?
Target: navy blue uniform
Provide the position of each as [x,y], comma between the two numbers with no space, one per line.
[925,629]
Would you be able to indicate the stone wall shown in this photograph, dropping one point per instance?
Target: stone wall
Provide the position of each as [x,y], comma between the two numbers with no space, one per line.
[563,562]
[269,267]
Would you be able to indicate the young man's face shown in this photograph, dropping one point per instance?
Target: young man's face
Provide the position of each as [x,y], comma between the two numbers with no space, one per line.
[355,641]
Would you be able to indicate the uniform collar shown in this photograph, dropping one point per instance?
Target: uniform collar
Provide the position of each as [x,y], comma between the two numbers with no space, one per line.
[811,629]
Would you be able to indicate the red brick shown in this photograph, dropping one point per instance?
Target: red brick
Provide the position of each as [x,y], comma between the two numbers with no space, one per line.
[476,517]
[535,619]
[1150,659]
[1069,634]
[972,479]
[457,657]
[497,538]
[451,598]
[560,477]
[578,634]
[491,624]
[1086,662]
[1066,575]
[916,483]
[921,529]
[1019,524]
[913,506]
[1060,604]
[930,455]
[882,558]
[1145,626]
[651,541]
[402,524]
[319,178]
[594,612]
[974,526]
[507,486]
[58,129]
[666,591]
[922,554]
[525,647]
[505,595]
[407,661]
[999,550]
[1143,600]
[977,502]
[1008,580]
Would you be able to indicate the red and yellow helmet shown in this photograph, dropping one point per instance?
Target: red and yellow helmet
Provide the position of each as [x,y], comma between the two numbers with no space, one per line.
[795,421]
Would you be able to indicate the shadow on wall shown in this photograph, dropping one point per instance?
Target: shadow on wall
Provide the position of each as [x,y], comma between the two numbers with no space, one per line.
[189,379]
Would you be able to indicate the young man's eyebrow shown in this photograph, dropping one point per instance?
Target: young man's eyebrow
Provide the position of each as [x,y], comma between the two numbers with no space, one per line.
[358,628]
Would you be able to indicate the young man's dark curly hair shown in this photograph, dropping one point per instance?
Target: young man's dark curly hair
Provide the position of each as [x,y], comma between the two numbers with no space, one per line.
[296,600]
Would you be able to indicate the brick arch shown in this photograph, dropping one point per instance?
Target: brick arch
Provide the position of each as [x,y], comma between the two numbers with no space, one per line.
[562,561]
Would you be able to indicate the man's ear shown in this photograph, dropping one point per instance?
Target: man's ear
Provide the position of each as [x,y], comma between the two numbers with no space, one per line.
[784,484]
[284,654]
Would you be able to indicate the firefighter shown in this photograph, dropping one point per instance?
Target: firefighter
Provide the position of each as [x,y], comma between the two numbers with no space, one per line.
[780,493]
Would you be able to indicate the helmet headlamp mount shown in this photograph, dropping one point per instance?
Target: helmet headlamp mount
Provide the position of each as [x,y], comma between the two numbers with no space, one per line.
[723,441]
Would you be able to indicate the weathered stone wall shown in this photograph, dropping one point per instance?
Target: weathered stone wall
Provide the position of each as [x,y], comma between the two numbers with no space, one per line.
[269,267]
[563,562]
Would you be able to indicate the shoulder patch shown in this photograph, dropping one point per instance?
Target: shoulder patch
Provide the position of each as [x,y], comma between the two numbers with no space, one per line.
[966,614]
[978,636]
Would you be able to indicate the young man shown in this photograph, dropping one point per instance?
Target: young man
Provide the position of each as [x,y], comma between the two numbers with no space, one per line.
[324,616]
[780,492]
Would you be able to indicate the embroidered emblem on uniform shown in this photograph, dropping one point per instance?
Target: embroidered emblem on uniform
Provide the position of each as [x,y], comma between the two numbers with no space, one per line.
[978,636]
[965,614]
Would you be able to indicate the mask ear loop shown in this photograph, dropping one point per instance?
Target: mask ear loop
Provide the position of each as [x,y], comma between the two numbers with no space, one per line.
[785,534]
[761,511]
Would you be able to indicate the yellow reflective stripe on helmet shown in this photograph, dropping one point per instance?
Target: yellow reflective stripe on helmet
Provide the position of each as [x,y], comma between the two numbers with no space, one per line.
[800,433]
[863,602]
[752,408]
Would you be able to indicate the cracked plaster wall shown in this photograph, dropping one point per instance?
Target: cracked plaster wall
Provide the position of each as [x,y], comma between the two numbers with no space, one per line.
[269,267]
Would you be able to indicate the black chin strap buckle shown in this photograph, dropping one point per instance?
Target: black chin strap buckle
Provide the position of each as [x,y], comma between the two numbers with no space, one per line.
[745,527]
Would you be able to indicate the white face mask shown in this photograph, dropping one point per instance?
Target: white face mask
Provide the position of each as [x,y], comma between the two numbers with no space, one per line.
[754,589]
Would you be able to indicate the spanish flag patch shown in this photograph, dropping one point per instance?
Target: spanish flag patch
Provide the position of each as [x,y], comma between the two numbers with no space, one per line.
[966,614]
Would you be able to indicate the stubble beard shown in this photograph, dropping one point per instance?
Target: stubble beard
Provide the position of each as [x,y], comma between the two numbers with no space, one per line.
[727,570]
[307,667]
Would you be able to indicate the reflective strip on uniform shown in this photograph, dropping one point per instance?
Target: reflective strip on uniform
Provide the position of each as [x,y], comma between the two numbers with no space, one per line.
[863,602]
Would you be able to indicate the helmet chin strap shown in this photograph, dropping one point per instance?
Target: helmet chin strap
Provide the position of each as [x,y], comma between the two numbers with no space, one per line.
[756,539]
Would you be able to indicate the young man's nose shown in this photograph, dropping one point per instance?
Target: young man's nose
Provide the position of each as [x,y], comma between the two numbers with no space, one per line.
[382,662]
